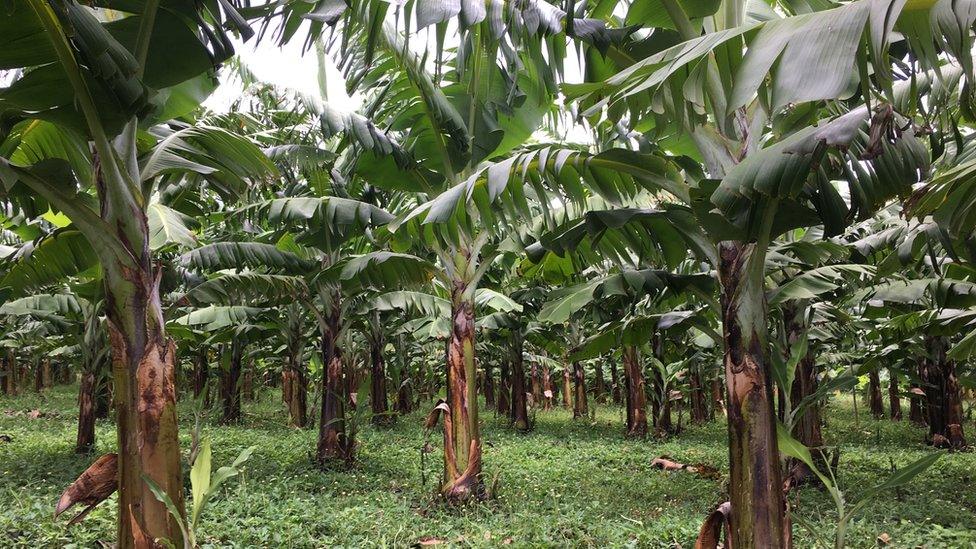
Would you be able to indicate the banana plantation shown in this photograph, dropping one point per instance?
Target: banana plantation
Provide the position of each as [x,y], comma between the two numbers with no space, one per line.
[581,273]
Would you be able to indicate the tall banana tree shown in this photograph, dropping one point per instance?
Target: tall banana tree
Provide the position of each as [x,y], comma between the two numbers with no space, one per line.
[733,84]
[98,82]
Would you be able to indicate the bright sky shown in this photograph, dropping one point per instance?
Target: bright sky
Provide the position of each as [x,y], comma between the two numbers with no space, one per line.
[289,67]
[285,67]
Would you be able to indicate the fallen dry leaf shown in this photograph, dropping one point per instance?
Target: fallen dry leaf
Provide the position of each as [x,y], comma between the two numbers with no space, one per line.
[884,539]
[92,487]
[701,469]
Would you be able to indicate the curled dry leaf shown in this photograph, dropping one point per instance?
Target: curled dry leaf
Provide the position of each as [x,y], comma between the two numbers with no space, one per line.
[884,538]
[92,487]
[435,414]
[709,537]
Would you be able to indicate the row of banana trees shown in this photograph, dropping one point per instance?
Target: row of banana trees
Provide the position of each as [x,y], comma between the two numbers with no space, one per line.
[786,185]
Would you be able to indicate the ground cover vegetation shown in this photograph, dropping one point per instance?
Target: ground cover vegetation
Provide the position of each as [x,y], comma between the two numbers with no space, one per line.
[553,235]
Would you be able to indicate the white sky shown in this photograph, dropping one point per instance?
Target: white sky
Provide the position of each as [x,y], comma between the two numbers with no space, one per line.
[288,67]
[285,67]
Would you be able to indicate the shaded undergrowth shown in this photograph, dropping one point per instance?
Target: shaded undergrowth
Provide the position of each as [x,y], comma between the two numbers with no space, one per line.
[565,484]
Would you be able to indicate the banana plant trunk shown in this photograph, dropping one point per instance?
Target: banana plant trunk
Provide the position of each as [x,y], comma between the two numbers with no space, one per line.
[915,412]
[614,384]
[520,410]
[547,388]
[536,376]
[379,396]
[894,399]
[943,398]
[10,374]
[103,388]
[755,479]
[567,390]
[661,404]
[636,393]
[699,411]
[874,387]
[143,362]
[38,377]
[47,380]
[294,390]
[599,386]
[63,374]
[580,406]
[462,462]
[143,365]
[404,398]
[201,371]
[503,401]
[230,384]
[718,402]
[333,443]
[489,386]
[807,426]
[85,441]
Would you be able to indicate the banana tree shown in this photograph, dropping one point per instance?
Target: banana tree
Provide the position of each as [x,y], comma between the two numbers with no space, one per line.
[726,89]
[803,269]
[95,81]
[81,323]
[626,289]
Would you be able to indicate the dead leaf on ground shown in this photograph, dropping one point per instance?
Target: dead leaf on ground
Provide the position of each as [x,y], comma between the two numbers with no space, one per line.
[703,470]
[884,539]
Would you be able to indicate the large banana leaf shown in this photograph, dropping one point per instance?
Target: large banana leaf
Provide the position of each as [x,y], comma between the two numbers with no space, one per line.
[633,284]
[216,317]
[815,282]
[805,57]
[233,289]
[413,302]
[500,191]
[227,160]
[637,331]
[168,226]
[178,52]
[47,305]
[239,255]
[53,259]
[789,180]
[668,233]
[382,271]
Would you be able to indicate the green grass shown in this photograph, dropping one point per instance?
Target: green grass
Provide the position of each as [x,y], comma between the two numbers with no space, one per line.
[566,484]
